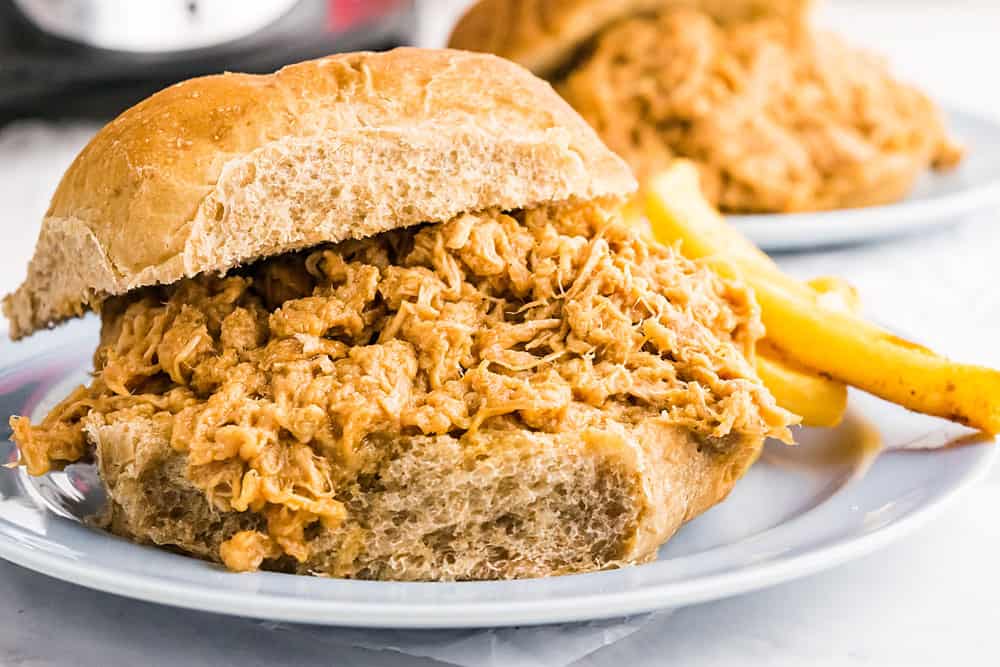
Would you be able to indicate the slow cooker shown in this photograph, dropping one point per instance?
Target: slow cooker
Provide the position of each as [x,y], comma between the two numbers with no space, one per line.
[96,57]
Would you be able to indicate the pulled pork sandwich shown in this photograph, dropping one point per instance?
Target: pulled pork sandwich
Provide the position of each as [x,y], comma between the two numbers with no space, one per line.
[777,116]
[374,316]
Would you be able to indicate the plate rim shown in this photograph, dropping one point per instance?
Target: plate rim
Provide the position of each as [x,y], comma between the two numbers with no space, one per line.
[383,615]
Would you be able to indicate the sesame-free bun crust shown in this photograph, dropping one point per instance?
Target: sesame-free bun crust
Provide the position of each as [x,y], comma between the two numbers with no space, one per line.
[543,35]
[221,170]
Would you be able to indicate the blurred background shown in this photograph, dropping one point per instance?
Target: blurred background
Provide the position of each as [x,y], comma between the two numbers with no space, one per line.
[92,58]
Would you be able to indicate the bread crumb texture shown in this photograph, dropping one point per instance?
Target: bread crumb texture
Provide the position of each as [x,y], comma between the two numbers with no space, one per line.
[494,396]
[778,116]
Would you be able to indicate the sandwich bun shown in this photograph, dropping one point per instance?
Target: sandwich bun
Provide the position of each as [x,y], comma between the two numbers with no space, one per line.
[221,170]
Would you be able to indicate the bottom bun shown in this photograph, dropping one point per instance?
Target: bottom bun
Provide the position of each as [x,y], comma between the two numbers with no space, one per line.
[532,505]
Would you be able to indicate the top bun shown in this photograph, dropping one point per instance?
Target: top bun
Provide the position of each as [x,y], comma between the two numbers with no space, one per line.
[221,170]
[543,35]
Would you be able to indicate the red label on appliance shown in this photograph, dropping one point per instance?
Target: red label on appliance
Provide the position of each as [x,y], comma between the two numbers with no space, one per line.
[344,14]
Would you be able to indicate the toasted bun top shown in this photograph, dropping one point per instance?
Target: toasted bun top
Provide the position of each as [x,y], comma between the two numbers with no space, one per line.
[221,170]
[543,35]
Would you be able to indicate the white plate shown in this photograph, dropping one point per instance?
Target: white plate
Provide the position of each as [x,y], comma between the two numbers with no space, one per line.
[798,511]
[938,199]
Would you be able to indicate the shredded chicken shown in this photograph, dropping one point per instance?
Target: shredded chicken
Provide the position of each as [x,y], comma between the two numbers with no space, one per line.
[280,380]
[779,117]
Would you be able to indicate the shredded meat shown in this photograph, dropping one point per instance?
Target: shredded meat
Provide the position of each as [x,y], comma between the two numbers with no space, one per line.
[280,380]
[779,117]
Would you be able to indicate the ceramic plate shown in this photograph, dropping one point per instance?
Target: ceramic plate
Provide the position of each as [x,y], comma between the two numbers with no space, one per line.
[938,199]
[837,496]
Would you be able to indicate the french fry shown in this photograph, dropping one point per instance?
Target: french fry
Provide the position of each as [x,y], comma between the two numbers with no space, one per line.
[807,326]
[819,401]
[866,356]
[677,210]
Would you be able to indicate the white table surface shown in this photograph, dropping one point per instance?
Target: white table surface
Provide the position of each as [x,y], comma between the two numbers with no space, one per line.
[930,599]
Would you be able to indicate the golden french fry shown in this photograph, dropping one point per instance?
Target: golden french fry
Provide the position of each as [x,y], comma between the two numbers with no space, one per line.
[678,211]
[819,401]
[827,337]
[861,354]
